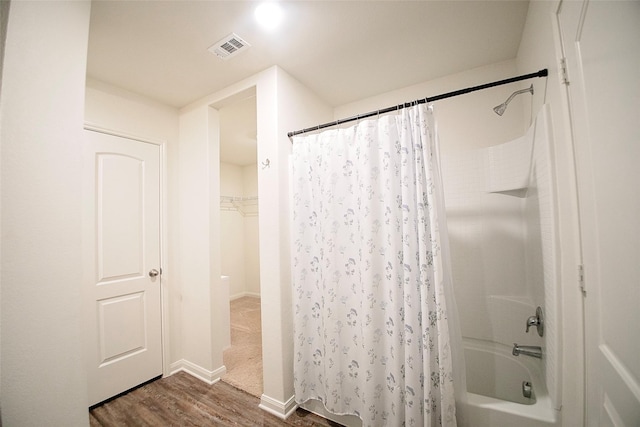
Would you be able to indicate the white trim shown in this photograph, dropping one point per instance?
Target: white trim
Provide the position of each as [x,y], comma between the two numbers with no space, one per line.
[97,128]
[209,377]
[281,410]
[244,294]
[164,256]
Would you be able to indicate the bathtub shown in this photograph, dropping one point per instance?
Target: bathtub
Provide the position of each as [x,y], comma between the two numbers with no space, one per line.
[494,395]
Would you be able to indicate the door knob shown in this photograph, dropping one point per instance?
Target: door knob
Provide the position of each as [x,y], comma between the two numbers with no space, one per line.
[153,273]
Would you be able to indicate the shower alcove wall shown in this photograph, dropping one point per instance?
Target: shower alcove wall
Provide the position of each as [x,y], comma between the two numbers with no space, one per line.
[500,208]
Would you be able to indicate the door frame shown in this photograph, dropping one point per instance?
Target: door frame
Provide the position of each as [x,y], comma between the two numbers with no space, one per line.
[165,276]
[574,407]
[239,95]
[595,358]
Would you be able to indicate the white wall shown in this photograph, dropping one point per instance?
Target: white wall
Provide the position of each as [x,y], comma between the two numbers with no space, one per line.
[240,255]
[486,230]
[199,242]
[118,110]
[466,121]
[201,337]
[278,101]
[538,50]
[43,371]
[487,239]
[497,262]
[4,19]
[46,54]
[232,234]
[297,108]
[251,233]
[115,108]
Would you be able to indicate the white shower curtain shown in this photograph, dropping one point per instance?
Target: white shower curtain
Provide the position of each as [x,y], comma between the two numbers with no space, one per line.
[371,337]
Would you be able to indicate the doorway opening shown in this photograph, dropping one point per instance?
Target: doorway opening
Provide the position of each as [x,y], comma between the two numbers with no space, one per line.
[239,231]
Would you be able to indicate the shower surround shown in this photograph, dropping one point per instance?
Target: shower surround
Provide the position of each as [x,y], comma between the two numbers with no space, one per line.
[500,213]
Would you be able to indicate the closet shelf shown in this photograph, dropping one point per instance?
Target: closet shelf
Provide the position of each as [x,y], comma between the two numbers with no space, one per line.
[246,206]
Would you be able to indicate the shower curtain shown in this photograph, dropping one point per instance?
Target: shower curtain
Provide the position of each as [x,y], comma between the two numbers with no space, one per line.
[371,336]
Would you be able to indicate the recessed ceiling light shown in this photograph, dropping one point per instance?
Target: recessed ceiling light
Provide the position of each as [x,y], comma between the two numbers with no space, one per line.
[269,15]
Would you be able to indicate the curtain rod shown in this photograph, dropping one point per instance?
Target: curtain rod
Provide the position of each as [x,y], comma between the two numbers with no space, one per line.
[541,73]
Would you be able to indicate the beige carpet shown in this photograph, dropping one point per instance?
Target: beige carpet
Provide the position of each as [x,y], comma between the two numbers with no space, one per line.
[244,358]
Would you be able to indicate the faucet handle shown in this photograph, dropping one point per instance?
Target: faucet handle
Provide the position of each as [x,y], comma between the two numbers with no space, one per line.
[537,321]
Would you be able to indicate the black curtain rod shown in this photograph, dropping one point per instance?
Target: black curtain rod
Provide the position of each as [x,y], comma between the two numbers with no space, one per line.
[541,73]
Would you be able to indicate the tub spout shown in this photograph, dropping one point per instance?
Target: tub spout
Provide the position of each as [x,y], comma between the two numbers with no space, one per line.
[527,350]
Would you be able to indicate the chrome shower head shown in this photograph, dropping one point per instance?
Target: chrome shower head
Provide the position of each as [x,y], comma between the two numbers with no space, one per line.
[500,109]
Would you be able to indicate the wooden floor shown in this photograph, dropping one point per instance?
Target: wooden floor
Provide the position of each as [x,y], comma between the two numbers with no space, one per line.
[182,400]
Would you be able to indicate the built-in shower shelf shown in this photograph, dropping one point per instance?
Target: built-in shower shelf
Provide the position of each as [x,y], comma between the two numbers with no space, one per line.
[515,192]
[246,206]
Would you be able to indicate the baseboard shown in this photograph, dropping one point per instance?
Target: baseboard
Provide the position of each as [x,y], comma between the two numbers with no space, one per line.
[244,294]
[277,408]
[209,377]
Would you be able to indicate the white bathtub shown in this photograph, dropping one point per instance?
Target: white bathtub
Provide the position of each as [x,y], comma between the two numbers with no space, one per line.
[494,389]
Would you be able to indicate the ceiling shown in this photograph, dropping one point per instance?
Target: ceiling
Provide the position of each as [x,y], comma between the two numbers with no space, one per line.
[343,51]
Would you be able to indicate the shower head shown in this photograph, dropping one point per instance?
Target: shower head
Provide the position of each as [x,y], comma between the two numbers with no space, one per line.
[500,109]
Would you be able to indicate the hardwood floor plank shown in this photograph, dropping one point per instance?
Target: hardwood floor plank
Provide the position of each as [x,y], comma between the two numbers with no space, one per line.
[93,421]
[182,400]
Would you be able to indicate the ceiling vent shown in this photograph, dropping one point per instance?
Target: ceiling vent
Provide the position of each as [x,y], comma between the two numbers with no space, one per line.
[229,46]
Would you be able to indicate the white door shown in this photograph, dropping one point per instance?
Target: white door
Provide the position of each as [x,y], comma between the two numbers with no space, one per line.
[601,42]
[122,263]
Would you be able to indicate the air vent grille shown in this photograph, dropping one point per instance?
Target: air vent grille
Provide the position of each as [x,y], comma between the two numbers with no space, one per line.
[229,46]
